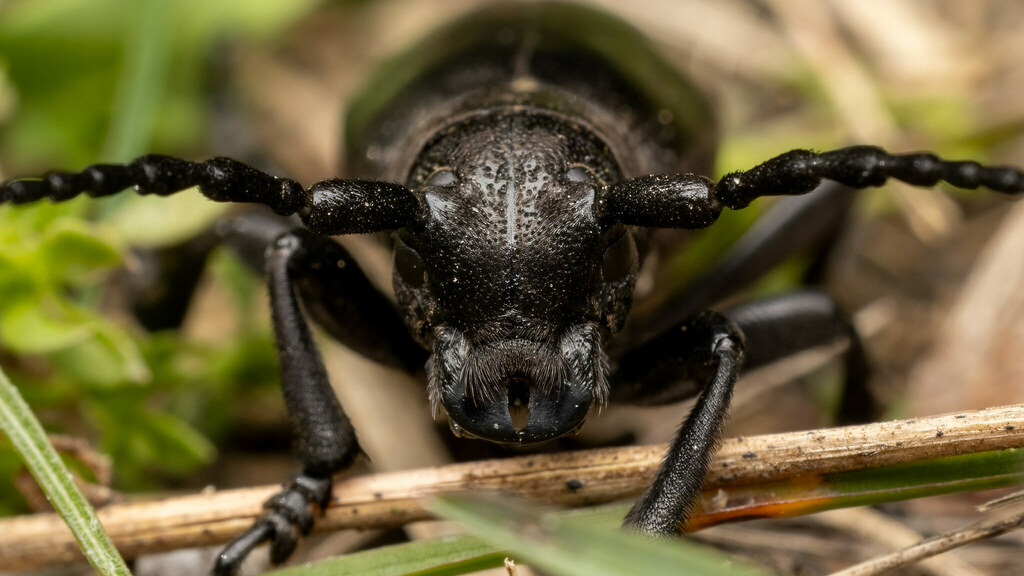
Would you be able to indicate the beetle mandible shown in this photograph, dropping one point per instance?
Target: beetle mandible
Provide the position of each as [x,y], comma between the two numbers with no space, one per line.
[521,171]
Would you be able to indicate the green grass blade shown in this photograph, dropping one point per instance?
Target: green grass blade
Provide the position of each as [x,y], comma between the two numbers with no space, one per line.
[147,53]
[447,557]
[865,487]
[568,543]
[28,437]
[577,545]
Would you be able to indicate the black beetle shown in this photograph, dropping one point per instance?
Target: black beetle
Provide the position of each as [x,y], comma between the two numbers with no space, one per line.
[522,166]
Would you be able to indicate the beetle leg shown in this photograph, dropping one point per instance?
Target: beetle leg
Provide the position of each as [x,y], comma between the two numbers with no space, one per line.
[324,439]
[693,357]
[334,290]
[340,298]
[336,293]
[785,325]
[774,328]
[790,226]
[711,347]
[163,282]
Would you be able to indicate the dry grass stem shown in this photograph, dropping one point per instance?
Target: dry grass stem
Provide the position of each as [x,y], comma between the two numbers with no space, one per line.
[932,546]
[570,479]
[874,526]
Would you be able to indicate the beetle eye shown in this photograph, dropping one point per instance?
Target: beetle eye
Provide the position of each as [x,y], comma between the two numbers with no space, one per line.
[618,259]
[441,177]
[409,265]
[579,173]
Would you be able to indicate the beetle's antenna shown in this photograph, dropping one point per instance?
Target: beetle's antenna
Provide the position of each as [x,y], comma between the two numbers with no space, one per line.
[801,171]
[219,179]
[661,201]
[343,206]
[329,207]
[690,201]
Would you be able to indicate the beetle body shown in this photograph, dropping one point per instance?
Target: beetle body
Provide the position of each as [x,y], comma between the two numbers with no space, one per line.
[520,158]
[574,65]
[506,123]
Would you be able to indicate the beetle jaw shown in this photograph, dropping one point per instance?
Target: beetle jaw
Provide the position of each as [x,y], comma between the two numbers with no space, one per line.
[517,391]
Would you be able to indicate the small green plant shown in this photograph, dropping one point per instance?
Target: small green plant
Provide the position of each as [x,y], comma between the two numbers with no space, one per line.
[87,81]
[28,437]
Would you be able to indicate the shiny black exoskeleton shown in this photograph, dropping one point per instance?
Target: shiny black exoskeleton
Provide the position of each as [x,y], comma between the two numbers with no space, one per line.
[521,157]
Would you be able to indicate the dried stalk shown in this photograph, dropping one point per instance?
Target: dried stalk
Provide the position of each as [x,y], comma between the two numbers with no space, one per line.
[933,546]
[571,479]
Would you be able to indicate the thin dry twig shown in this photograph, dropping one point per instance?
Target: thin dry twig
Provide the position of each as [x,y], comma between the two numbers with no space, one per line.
[1013,499]
[874,526]
[572,479]
[935,545]
[98,493]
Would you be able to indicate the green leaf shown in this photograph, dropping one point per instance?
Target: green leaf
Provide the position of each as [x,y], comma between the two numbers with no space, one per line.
[28,437]
[449,556]
[561,543]
[576,545]
[72,251]
[27,326]
[146,221]
[108,359]
[182,447]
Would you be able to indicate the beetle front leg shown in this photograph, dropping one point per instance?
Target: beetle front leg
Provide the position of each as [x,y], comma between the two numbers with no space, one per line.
[785,325]
[692,357]
[773,329]
[324,439]
[710,347]
[797,225]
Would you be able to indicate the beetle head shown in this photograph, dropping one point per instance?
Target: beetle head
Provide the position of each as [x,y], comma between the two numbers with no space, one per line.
[512,278]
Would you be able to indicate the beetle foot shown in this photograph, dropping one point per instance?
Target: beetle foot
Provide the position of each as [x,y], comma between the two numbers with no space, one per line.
[289,514]
[230,558]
